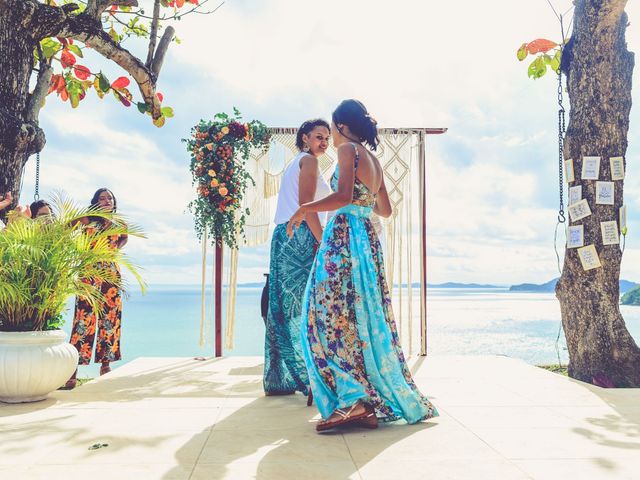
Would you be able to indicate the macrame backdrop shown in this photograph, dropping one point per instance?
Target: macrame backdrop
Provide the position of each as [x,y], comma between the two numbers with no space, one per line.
[402,154]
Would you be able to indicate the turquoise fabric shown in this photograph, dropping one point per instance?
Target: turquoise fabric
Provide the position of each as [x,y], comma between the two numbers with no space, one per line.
[291,260]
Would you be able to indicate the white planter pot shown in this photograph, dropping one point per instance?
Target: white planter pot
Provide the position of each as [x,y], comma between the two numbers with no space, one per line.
[33,364]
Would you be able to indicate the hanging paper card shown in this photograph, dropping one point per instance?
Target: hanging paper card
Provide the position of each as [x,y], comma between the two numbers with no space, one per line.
[568,170]
[579,210]
[604,193]
[590,168]
[575,236]
[589,257]
[623,219]
[617,168]
[610,233]
[575,194]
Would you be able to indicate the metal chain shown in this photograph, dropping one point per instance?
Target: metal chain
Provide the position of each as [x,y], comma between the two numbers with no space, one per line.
[561,132]
[36,192]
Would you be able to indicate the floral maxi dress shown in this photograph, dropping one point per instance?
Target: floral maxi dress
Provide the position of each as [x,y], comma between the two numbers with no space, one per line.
[107,320]
[349,337]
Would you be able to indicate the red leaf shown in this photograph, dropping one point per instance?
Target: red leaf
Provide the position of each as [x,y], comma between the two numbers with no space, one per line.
[63,41]
[67,58]
[53,84]
[160,97]
[61,85]
[540,45]
[120,82]
[81,72]
[64,95]
[179,3]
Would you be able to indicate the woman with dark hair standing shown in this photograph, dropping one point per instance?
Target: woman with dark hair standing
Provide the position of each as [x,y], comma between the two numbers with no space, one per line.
[291,258]
[357,370]
[107,320]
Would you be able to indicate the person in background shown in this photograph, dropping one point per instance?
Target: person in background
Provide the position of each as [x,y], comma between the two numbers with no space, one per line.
[106,321]
[290,262]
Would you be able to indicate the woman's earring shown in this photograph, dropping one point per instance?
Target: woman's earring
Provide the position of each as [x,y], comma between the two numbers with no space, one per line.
[305,148]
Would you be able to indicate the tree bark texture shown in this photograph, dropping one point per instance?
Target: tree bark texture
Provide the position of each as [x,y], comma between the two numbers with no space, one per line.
[599,73]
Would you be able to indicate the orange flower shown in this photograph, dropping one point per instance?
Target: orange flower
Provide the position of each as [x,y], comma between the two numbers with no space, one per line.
[214,183]
[225,130]
[223,191]
[209,146]
[212,173]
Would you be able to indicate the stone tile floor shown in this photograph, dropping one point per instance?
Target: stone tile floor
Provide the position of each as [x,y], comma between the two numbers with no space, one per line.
[177,418]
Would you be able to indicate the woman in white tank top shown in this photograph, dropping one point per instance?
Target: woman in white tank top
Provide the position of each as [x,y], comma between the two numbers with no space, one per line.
[291,259]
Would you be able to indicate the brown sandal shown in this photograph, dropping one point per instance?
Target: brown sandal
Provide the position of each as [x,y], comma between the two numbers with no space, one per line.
[104,369]
[341,416]
[310,398]
[71,383]
[369,421]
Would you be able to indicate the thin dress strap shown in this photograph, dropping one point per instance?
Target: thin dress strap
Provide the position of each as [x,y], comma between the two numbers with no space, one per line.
[355,161]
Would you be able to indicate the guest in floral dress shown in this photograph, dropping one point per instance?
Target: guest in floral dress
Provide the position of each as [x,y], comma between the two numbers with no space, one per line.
[357,370]
[106,321]
[291,260]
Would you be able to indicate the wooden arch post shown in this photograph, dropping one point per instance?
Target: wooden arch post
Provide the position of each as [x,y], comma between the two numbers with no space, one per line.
[218,297]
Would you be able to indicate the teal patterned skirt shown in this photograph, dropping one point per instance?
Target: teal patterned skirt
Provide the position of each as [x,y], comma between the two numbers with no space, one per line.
[291,260]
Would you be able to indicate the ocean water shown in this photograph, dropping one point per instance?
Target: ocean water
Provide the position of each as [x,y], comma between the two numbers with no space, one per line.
[166,322]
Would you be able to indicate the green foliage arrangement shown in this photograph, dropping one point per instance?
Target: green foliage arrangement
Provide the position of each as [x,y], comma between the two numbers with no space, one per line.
[45,261]
[219,151]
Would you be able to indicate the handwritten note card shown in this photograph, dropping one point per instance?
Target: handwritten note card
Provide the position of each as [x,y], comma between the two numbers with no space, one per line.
[623,218]
[579,210]
[575,194]
[575,236]
[590,168]
[610,233]
[568,170]
[589,257]
[604,193]
[617,168]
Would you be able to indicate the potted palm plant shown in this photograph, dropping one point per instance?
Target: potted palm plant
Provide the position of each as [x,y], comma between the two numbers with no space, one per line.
[43,263]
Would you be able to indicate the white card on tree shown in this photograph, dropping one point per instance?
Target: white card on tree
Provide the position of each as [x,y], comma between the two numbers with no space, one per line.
[575,194]
[579,210]
[617,168]
[568,170]
[590,168]
[610,233]
[604,193]
[623,218]
[575,236]
[589,257]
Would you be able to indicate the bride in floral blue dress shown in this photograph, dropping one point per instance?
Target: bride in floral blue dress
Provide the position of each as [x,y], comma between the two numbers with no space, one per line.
[357,371]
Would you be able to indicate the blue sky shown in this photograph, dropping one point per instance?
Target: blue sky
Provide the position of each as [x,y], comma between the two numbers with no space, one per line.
[492,179]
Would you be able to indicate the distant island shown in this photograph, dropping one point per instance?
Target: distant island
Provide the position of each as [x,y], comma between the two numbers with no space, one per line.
[550,286]
[632,297]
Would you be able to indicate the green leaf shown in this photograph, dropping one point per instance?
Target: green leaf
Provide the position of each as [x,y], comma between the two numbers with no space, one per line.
[547,59]
[142,107]
[522,52]
[50,47]
[555,61]
[104,83]
[75,49]
[114,35]
[167,111]
[537,68]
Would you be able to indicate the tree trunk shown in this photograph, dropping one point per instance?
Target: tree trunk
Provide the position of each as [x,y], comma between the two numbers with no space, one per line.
[20,135]
[599,70]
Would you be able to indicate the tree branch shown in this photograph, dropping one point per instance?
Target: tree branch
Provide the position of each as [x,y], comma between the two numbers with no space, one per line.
[162,50]
[95,8]
[154,32]
[36,99]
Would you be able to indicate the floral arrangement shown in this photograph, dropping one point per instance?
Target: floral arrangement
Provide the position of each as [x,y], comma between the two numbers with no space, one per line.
[219,151]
